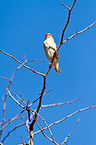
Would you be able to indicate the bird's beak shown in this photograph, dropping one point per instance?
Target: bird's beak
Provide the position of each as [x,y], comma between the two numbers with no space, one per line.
[46,35]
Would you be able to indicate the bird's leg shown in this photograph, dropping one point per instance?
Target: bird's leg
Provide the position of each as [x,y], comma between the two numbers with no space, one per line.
[51,65]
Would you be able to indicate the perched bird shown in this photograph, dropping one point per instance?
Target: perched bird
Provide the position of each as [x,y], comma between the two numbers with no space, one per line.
[51,50]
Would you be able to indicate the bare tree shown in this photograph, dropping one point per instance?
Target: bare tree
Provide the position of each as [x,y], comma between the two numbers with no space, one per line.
[33,115]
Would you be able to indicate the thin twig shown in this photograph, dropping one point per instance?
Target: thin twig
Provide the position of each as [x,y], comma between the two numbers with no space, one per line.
[47,127]
[46,135]
[80,110]
[13,119]
[7,80]
[72,114]
[66,139]
[79,32]
[15,99]
[48,91]
[68,20]
[22,63]
[22,140]
[36,60]
[23,117]
[65,5]
[5,98]
[57,104]
[12,131]
[22,99]
[44,123]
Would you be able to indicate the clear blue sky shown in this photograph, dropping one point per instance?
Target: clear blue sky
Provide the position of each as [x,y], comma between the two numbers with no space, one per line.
[23,24]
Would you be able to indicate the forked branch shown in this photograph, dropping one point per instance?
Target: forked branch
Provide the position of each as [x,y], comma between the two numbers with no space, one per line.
[68,20]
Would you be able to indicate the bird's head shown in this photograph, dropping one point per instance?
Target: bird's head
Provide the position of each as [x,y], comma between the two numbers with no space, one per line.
[48,35]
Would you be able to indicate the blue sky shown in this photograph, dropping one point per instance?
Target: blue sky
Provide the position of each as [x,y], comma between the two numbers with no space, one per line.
[22,27]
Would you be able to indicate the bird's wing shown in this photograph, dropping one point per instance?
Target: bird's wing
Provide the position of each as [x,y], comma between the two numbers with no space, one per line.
[52,48]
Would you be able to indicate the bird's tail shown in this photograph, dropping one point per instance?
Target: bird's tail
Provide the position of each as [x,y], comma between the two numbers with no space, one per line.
[57,68]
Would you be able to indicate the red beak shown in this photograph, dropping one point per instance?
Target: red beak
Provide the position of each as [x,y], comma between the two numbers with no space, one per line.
[46,34]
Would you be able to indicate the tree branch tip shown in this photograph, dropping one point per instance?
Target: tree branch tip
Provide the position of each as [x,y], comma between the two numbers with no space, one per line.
[64,5]
[79,118]
[25,58]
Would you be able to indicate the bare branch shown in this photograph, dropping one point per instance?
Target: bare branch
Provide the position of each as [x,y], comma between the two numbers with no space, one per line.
[15,99]
[46,135]
[22,140]
[12,131]
[79,32]
[7,80]
[22,99]
[39,106]
[73,4]
[57,104]
[22,63]
[36,60]
[66,139]
[68,20]
[47,127]
[13,119]
[65,5]
[4,105]
[23,117]
[44,123]
[80,110]
[48,91]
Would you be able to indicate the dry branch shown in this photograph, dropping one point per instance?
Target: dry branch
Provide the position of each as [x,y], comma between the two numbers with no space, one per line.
[44,123]
[22,63]
[47,127]
[70,115]
[7,80]
[12,131]
[79,32]
[46,135]
[4,105]
[39,106]
[23,117]
[68,20]
[66,139]
[12,119]
[15,99]
[80,110]
[22,99]
[57,104]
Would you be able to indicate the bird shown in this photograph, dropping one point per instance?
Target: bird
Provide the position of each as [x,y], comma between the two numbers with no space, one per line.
[51,52]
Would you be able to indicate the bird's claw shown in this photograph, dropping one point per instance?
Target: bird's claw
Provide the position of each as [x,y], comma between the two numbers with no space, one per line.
[51,64]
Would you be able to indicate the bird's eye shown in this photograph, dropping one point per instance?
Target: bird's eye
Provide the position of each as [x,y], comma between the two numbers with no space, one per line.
[50,35]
